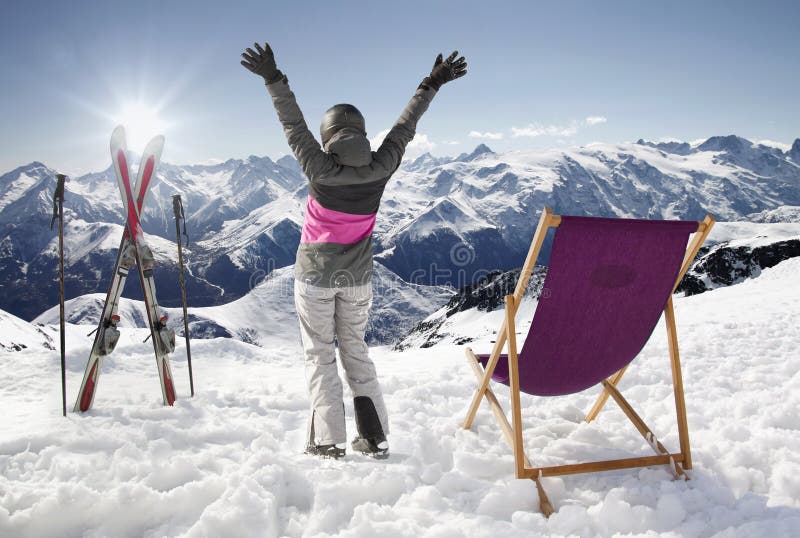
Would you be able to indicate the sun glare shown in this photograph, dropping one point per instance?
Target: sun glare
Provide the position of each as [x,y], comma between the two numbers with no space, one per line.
[141,123]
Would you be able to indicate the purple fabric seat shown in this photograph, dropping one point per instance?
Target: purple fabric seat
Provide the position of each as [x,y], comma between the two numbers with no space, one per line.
[607,283]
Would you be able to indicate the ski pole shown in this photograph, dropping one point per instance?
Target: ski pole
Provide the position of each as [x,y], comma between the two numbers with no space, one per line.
[58,212]
[177,207]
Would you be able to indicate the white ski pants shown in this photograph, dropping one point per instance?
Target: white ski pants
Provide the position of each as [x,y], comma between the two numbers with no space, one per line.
[326,314]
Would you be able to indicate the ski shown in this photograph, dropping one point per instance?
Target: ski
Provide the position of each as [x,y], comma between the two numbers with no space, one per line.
[107,334]
[163,338]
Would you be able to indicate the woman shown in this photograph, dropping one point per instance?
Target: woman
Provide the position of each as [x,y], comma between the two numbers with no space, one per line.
[333,270]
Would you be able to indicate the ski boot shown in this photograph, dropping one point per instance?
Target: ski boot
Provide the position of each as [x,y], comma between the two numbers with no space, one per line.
[325,451]
[371,440]
[331,451]
[376,447]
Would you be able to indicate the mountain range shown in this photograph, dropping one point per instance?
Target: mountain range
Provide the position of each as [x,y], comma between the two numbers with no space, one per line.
[443,220]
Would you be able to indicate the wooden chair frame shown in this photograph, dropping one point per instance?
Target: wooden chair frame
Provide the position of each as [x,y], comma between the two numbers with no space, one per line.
[679,462]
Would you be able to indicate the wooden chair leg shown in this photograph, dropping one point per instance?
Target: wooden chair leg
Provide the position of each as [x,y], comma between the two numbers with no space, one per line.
[497,410]
[603,398]
[547,220]
[483,382]
[516,408]
[646,432]
[677,385]
[513,370]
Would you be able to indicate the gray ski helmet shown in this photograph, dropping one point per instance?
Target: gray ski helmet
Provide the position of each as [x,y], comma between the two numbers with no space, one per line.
[338,117]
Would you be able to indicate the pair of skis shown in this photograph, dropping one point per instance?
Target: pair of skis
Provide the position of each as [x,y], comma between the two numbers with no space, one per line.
[133,251]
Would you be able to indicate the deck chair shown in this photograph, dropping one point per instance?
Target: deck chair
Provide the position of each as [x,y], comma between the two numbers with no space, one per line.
[608,281]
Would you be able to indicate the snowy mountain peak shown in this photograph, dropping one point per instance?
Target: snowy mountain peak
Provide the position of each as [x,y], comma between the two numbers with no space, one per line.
[673,146]
[426,161]
[27,181]
[480,150]
[34,169]
[290,163]
[262,160]
[730,144]
[422,160]
[794,153]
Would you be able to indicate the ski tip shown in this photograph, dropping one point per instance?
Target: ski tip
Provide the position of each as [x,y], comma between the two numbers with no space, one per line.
[155,146]
[118,138]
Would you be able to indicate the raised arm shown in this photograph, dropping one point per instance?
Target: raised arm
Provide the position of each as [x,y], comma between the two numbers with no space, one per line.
[394,145]
[306,149]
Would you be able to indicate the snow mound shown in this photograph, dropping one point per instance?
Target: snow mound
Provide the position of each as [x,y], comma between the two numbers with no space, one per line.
[17,334]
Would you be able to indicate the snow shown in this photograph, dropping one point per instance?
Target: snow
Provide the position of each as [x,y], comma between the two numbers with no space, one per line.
[228,461]
[17,188]
[17,334]
[783,146]
[785,213]
[753,234]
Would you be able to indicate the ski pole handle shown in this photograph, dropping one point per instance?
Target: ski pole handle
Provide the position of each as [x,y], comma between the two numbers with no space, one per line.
[177,208]
[58,197]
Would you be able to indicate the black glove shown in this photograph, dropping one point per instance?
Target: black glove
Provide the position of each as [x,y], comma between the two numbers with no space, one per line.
[445,71]
[262,62]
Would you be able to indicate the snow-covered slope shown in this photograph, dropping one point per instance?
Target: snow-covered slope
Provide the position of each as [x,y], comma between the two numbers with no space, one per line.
[228,462]
[17,334]
[737,251]
[786,213]
[267,312]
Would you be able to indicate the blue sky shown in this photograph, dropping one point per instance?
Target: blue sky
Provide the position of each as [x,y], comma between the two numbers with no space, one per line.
[537,71]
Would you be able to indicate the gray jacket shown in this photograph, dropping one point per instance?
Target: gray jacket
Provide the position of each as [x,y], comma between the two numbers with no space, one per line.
[345,188]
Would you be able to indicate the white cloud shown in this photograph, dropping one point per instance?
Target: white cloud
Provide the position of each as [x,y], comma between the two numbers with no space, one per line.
[419,144]
[450,142]
[594,120]
[377,140]
[536,129]
[775,144]
[488,135]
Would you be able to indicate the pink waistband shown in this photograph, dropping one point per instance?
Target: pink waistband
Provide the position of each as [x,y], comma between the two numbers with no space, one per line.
[328,226]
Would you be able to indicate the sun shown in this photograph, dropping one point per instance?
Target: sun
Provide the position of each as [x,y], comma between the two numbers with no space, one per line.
[141,122]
